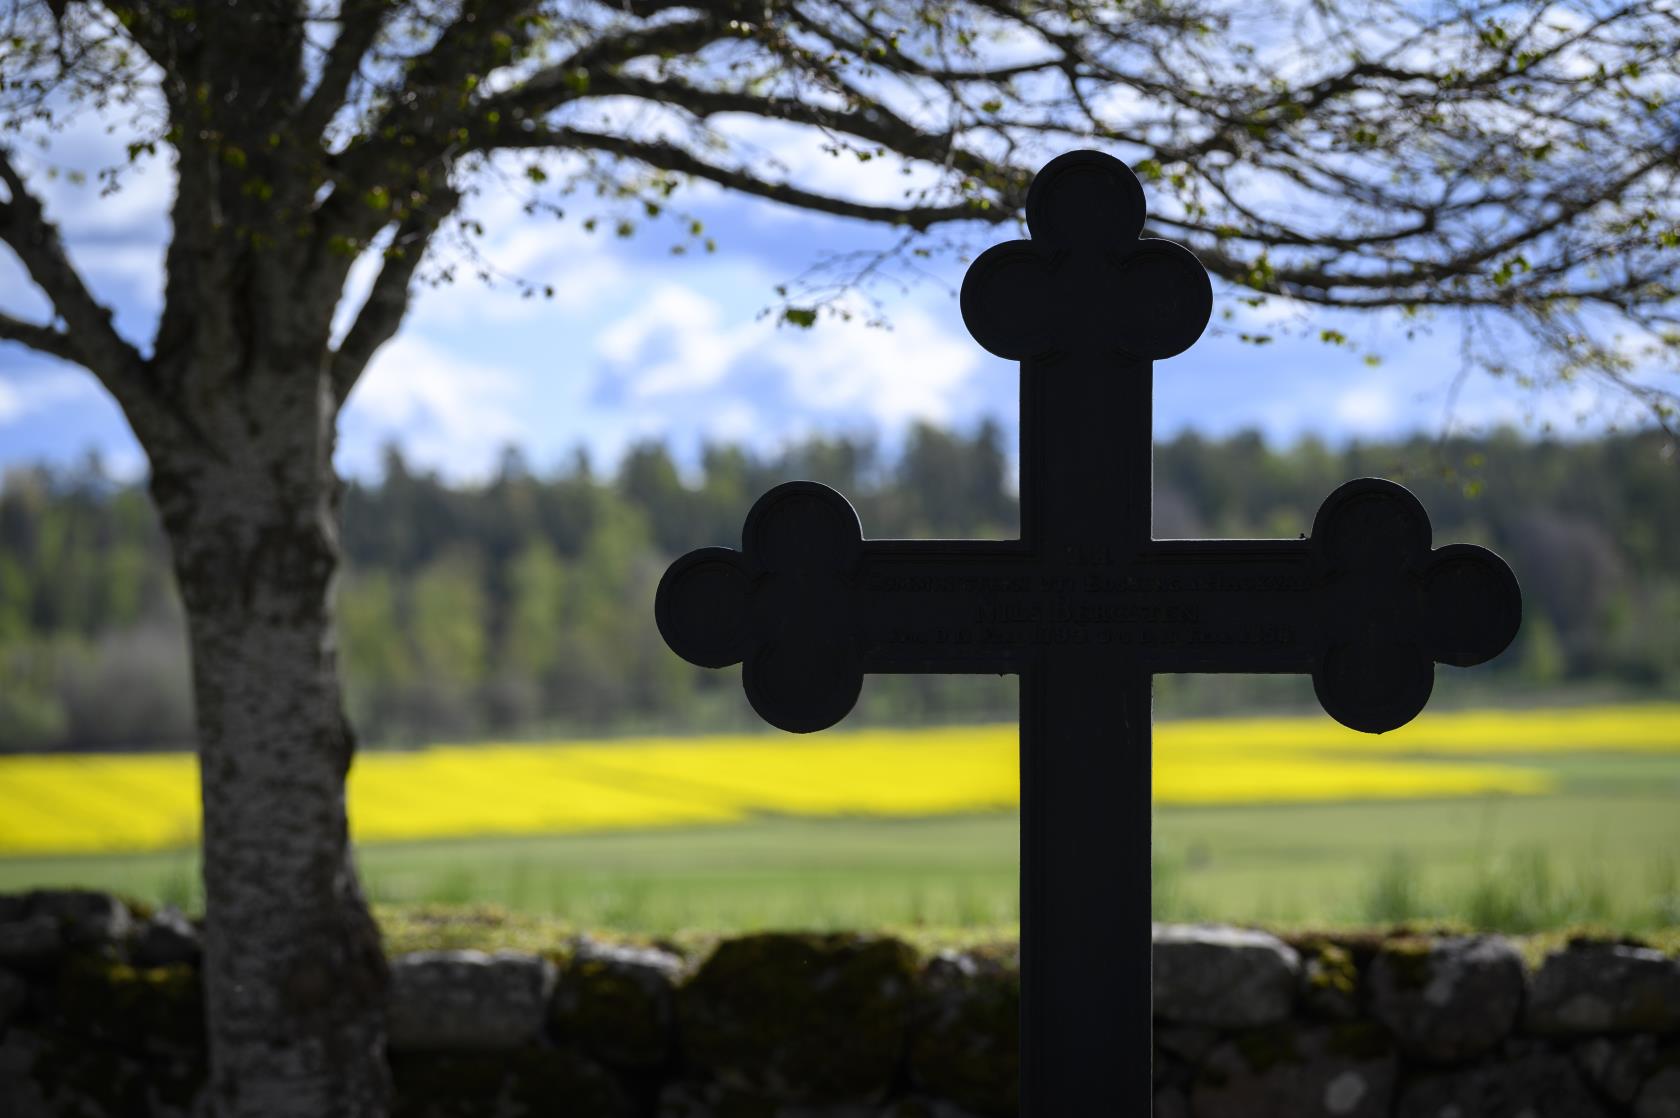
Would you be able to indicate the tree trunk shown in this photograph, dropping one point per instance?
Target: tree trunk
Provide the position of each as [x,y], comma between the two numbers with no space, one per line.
[294,971]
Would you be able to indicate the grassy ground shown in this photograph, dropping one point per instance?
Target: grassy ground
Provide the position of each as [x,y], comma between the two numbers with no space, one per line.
[1606,850]
[1598,844]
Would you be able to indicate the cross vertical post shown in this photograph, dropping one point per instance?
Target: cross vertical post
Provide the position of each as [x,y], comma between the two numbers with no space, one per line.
[1056,303]
[1086,606]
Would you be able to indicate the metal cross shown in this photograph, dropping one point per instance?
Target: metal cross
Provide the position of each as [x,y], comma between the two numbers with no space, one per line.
[1085,607]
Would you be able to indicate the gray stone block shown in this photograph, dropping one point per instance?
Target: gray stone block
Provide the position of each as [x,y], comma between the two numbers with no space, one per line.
[1660,1096]
[30,941]
[1604,988]
[1617,1066]
[918,1106]
[14,995]
[468,1000]
[1531,1084]
[716,1100]
[1321,1071]
[1170,1103]
[87,917]
[1447,1000]
[530,1082]
[1223,977]
[965,1038]
[165,938]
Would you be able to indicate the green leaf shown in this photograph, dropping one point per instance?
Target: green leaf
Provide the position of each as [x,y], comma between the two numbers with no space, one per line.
[802,317]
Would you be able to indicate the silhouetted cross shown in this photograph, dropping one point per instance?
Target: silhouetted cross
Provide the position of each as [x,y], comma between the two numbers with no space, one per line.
[1085,607]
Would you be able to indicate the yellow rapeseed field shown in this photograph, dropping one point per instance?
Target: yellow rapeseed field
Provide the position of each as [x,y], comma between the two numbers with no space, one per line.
[64,804]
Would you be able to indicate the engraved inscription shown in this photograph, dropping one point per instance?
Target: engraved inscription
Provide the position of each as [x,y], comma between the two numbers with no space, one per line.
[949,584]
[1116,609]
[1063,611]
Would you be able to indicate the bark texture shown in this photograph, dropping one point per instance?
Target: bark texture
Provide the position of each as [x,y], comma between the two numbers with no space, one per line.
[295,973]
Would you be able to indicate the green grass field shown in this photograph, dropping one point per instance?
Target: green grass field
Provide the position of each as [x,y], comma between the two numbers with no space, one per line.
[1604,849]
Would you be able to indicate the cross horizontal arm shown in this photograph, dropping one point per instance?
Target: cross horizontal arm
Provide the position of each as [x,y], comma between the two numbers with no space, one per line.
[1365,606]
[1225,606]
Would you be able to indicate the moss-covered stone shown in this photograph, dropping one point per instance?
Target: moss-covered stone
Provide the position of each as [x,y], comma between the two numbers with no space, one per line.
[513,1084]
[405,929]
[1448,1000]
[1329,981]
[801,1018]
[618,1004]
[138,1009]
[965,1036]
[1408,958]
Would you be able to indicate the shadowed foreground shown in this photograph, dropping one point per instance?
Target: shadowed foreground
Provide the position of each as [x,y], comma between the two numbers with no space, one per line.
[100,1017]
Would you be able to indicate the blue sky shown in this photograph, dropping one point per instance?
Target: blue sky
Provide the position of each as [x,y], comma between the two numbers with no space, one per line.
[640,343]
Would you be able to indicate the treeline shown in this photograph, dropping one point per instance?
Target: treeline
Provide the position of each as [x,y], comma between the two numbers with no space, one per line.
[524,605]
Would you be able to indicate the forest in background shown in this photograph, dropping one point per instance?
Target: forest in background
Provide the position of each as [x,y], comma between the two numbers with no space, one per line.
[523,606]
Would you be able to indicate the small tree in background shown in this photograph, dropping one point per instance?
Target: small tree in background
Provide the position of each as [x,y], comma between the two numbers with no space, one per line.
[1516,161]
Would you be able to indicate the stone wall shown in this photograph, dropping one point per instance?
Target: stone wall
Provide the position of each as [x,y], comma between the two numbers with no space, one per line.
[99,1015]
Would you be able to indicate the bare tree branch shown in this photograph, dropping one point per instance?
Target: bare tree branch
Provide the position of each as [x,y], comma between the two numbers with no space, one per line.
[576,74]
[387,301]
[669,157]
[870,121]
[41,338]
[409,147]
[92,340]
[360,22]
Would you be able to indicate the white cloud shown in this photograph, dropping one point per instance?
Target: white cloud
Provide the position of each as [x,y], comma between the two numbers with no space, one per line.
[911,372]
[20,399]
[736,421]
[451,414]
[678,345]
[1368,407]
[674,341]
